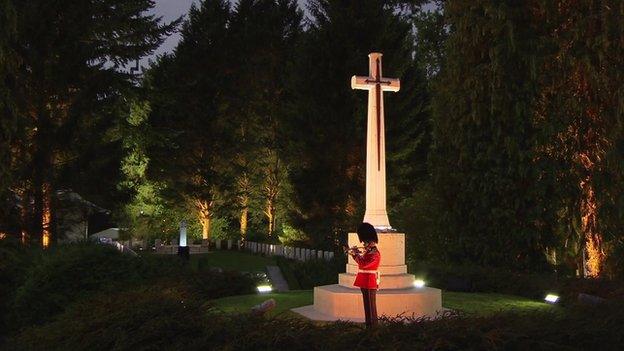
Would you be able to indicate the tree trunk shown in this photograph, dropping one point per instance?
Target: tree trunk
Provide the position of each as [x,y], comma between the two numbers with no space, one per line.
[270,214]
[46,215]
[243,222]
[204,212]
[244,188]
[205,222]
[594,254]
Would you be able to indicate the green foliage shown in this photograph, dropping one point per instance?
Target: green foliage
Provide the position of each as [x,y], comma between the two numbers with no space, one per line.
[220,229]
[291,236]
[418,216]
[15,261]
[472,278]
[68,90]
[483,154]
[232,261]
[162,322]
[138,319]
[67,274]
[311,273]
[472,304]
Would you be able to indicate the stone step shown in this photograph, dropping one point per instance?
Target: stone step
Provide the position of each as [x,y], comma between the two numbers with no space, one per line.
[277,278]
[345,303]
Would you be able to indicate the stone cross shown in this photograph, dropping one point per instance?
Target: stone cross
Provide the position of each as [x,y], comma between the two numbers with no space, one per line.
[376,84]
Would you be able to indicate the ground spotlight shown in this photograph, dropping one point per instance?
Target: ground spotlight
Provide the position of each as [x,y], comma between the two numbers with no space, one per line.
[264,288]
[419,283]
[551,298]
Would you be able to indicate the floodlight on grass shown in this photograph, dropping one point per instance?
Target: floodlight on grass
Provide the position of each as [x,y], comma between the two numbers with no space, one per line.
[419,283]
[551,298]
[264,288]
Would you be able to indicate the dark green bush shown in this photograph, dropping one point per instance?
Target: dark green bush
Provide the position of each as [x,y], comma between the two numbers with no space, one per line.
[69,273]
[308,274]
[157,320]
[470,278]
[142,319]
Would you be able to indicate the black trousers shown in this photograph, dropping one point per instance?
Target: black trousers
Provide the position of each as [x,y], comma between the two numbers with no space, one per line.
[370,306]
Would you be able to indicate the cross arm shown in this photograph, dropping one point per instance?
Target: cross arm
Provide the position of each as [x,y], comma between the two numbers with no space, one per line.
[361,83]
[391,84]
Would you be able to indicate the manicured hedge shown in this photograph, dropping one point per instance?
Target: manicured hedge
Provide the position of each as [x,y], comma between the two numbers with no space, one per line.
[65,274]
[308,274]
[532,285]
[163,320]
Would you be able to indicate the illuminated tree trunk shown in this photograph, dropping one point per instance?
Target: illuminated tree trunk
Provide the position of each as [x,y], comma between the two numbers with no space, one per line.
[244,186]
[46,215]
[271,191]
[270,214]
[243,222]
[594,253]
[204,212]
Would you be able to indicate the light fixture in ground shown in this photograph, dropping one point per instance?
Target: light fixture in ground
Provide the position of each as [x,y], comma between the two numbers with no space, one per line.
[419,283]
[264,288]
[552,298]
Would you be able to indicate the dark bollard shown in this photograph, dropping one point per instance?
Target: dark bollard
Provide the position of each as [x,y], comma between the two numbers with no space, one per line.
[184,252]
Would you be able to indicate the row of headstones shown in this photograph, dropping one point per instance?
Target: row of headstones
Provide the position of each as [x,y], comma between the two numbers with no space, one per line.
[217,244]
[295,253]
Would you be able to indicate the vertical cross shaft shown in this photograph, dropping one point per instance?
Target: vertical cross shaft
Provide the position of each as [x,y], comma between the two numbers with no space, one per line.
[376,213]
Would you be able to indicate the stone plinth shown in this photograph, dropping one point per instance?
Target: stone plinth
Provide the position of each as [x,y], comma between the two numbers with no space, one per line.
[334,302]
[396,295]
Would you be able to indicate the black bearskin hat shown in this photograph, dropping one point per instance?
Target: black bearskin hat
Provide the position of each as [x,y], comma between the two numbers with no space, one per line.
[367,233]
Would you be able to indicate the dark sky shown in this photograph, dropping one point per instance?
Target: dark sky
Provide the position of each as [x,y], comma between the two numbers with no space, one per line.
[170,10]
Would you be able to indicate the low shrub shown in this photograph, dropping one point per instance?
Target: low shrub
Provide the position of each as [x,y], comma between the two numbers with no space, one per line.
[308,274]
[141,319]
[155,320]
[469,278]
[69,273]
[65,274]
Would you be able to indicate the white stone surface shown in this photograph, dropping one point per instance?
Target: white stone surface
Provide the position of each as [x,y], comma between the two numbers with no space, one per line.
[341,303]
[375,84]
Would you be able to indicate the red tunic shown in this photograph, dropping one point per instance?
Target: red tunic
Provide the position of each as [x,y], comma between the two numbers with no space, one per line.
[368,261]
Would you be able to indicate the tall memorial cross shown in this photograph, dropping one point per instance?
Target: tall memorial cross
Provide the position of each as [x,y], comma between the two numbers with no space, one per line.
[397,295]
[376,84]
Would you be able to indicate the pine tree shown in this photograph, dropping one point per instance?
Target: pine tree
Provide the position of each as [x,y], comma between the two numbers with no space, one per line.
[267,31]
[580,106]
[8,120]
[193,144]
[484,136]
[68,84]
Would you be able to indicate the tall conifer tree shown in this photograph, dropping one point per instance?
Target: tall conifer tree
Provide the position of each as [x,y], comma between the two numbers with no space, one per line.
[68,85]
[484,135]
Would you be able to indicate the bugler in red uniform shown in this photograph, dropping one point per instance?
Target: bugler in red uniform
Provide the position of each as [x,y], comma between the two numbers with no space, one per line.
[367,278]
[368,263]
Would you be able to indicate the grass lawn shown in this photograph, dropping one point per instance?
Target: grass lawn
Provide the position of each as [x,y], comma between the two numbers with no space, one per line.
[232,260]
[285,301]
[470,303]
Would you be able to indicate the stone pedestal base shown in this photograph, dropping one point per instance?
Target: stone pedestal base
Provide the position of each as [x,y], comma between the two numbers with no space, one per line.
[396,295]
[336,302]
